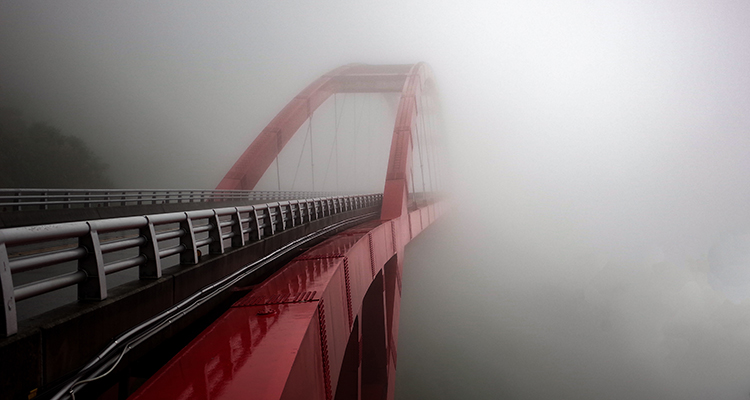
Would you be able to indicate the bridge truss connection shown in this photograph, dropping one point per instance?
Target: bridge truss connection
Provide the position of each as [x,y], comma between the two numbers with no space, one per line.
[323,326]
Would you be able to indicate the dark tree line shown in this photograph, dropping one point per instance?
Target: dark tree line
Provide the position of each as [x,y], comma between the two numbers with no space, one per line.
[39,155]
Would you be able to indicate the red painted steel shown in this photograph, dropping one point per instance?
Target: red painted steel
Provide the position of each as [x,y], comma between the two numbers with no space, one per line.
[325,326]
[354,78]
[288,338]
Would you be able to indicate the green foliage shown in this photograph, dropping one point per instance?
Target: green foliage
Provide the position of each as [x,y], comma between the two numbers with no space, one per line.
[41,156]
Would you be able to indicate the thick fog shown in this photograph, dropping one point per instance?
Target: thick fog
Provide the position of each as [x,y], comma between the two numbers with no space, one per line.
[598,245]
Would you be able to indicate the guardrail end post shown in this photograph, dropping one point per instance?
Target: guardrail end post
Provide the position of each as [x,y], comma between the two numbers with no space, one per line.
[10,322]
[95,286]
[151,269]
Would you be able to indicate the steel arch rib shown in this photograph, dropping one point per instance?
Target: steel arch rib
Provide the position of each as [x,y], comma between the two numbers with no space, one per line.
[325,326]
[352,78]
[253,163]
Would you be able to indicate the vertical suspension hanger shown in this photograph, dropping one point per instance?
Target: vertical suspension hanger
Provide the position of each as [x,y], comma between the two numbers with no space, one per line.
[411,169]
[354,153]
[419,146]
[336,135]
[426,138]
[312,159]
[334,147]
[304,144]
[278,150]
[369,136]
[439,156]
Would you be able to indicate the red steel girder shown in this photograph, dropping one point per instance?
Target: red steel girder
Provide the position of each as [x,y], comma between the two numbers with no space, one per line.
[326,325]
[323,327]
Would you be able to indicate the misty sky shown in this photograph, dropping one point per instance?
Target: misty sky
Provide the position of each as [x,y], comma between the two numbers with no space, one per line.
[600,240]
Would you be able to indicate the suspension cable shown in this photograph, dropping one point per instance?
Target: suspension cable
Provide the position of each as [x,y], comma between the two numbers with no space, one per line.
[336,136]
[419,146]
[354,154]
[301,153]
[426,132]
[437,160]
[335,145]
[278,150]
[369,136]
[310,132]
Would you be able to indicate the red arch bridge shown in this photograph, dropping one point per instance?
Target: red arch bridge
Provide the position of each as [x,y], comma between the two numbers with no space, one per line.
[230,293]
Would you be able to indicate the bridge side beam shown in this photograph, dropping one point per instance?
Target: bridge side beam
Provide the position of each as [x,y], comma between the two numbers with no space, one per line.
[294,336]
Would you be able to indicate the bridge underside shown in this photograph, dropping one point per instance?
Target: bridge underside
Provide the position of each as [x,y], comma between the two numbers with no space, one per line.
[324,327]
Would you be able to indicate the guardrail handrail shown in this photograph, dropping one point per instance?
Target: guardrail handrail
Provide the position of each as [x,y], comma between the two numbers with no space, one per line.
[23,198]
[227,227]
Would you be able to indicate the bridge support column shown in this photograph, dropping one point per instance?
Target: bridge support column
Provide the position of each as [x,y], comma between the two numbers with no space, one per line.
[374,342]
[350,377]
[392,271]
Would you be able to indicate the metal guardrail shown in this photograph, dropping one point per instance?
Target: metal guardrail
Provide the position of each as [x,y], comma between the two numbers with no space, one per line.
[217,229]
[44,199]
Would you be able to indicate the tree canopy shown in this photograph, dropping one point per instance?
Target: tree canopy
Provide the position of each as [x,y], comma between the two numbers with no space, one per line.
[41,156]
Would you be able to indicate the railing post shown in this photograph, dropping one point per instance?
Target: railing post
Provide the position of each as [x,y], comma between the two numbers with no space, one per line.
[316,206]
[10,323]
[270,227]
[44,200]
[17,200]
[255,232]
[151,269]
[304,210]
[217,243]
[190,254]
[296,212]
[238,240]
[95,285]
[280,224]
